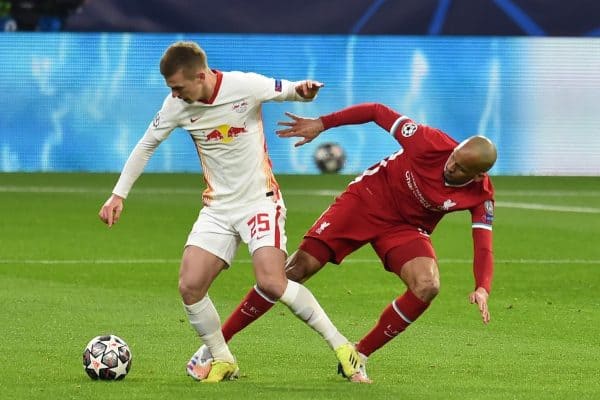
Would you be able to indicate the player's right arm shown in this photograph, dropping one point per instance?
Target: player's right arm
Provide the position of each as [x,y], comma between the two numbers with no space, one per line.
[381,114]
[141,153]
[310,128]
[160,127]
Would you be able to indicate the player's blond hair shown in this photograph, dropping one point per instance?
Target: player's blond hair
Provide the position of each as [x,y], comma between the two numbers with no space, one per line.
[183,55]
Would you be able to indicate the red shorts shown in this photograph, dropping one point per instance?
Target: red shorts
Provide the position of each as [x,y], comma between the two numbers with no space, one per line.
[347,225]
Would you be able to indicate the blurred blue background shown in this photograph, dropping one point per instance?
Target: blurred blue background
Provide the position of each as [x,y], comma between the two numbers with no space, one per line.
[79,101]
[370,17]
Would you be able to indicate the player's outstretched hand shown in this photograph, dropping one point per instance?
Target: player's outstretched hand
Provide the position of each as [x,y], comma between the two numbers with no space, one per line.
[111,210]
[480,297]
[307,128]
[308,89]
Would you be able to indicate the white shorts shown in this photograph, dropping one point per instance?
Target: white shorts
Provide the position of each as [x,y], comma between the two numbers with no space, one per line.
[259,225]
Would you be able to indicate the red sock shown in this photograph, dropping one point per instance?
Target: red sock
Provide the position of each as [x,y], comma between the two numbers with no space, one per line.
[249,310]
[395,318]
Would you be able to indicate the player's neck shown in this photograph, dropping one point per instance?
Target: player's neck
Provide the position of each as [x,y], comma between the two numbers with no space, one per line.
[456,184]
[210,83]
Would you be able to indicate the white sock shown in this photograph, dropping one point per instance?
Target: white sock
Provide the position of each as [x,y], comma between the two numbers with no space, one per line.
[204,318]
[304,305]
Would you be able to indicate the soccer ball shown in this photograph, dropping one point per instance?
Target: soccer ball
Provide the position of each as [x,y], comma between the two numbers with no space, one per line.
[330,158]
[107,358]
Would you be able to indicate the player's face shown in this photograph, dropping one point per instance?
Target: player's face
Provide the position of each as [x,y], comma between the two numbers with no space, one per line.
[457,170]
[185,88]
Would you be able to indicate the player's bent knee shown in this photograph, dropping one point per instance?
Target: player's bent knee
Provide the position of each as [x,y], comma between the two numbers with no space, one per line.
[426,288]
[198,270]
[422,277]
[190,294]
[190,286]
[272,288]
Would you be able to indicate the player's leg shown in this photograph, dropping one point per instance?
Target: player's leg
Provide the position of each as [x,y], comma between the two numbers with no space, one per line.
[254,305]
[311,256]
[421,276]
[303,304]
[198,270]
[339,231]
[268,222]
[331,238]
[209,249]
[299,267]
[265,220]
[261,226]
[271,279]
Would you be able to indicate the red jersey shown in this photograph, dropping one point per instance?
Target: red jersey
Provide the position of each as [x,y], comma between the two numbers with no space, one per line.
[408,187]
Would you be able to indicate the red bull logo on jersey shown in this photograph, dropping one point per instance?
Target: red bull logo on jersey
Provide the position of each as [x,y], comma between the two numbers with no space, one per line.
[214,136]
[225,133]
[235,131]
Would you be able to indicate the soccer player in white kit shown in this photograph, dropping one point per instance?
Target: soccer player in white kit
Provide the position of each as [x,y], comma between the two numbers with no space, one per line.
[242,201]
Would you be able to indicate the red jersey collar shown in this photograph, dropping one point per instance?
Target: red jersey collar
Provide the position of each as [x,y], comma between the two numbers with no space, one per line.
[216,89]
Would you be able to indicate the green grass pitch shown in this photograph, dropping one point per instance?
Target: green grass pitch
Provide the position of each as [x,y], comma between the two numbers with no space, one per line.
[65,278]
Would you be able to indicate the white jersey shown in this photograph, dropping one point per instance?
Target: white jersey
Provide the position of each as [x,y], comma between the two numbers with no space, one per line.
[228,134]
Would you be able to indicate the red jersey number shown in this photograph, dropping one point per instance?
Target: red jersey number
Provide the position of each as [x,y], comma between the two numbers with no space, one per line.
[259,223]
[374,169]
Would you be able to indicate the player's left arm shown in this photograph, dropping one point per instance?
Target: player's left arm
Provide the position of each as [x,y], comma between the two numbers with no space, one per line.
[267,89]
[483,256]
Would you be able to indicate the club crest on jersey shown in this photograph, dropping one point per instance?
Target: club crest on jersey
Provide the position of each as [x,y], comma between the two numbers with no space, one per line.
[278,85]
[448,204]
[409,129]
[156,120]
[240,106]
[224,133]
[322,227]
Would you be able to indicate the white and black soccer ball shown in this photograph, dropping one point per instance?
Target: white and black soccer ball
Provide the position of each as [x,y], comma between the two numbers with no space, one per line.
[330,158]
[107,358]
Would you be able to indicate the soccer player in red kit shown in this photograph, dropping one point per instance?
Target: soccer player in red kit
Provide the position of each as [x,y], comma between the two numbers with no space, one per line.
[395,205]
